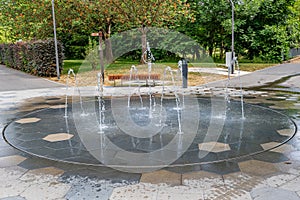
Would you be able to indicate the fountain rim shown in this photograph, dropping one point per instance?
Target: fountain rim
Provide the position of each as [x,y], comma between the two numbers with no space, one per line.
[156,166]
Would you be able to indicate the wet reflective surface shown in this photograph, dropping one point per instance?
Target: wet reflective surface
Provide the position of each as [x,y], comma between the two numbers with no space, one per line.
[47,133]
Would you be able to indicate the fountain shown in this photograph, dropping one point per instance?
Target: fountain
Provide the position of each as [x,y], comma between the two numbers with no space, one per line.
[177,99]
[121,132]
[101,103]
[124,128]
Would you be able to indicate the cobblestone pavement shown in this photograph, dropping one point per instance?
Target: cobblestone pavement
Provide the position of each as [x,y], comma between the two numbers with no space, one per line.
[274,174]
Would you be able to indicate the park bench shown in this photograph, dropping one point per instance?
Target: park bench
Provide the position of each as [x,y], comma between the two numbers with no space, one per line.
[126,77]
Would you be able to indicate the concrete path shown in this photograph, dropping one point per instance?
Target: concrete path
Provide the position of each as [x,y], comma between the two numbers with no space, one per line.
[270,175]
[12,80]
[262,77]
[216,70]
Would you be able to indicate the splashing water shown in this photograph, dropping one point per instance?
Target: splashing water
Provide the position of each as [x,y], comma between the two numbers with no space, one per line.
[178,109]
[71,72]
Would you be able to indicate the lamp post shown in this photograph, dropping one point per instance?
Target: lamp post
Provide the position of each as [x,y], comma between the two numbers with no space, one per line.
[55,42]
[101,56]
[232,39]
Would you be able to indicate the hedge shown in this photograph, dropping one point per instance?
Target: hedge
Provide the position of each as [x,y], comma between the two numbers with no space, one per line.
[34,57]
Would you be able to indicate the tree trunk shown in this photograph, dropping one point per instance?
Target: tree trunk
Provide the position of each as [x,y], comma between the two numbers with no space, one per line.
[144,44]
[211,50]
[108,49]
[222,50]
[197,53]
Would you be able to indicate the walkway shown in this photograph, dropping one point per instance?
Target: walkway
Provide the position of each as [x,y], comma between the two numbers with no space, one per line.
[272,175]
[216,70]
[261,77]
[11,80]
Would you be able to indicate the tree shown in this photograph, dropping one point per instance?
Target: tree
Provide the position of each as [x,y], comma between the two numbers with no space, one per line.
[293,28]
[259,24]
[261,31]
[4,32]
[209,24]
[22,16]
[143,14]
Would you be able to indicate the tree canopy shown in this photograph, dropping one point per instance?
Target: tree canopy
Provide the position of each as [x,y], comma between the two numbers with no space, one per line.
[264,29]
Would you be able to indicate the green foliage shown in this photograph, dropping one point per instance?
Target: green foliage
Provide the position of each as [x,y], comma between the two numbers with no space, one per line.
[4,35]
[92,54]
[71,64]
[293,27]
[259,24]
[135,14]
[43,57]
[262,29]
[36,57]
[6,53]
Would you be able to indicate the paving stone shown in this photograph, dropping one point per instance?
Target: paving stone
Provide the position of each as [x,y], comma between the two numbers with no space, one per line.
[279,180]
[28,120]
[221,168]
[238,185]
[42,175]
[184,169]
[8,151]
[214,147]
[161,176]
[11,173]
[257,168]
[34,107]
[136,192]
[291,167]
[9,161]
[46,190]
[273,193]
[36,163]
[224,193]
[235,185]
[12,188]
[286,132]
[47,170]
[244,196]
[3,144]
[292,185]
[200,175]
[281,149]
[58,137]
[202,180]
[239,178]
[100,173]
[13,198]
[295,155]
[87,188]
[179,193]
[271,157]
[58,107]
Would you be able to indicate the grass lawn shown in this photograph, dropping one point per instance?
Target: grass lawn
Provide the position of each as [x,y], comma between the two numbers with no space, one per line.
[120,66]
[123,67]
[251,67]
[71,64]
[79,65]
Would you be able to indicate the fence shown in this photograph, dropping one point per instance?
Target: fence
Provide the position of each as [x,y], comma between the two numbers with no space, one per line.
[294,52]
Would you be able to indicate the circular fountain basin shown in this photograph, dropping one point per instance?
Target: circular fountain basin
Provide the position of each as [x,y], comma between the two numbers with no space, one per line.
[221,133]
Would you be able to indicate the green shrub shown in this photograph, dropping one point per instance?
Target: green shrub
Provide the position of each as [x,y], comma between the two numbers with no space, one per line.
[43,57]
[7,55]
[35,57]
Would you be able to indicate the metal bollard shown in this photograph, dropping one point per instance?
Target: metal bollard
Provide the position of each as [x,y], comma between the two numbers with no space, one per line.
[184,69]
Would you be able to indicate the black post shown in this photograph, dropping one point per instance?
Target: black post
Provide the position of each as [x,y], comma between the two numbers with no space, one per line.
[101,56]
[184,73]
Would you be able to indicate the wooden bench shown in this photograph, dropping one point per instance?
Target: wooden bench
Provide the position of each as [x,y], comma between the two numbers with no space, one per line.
[114,77]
